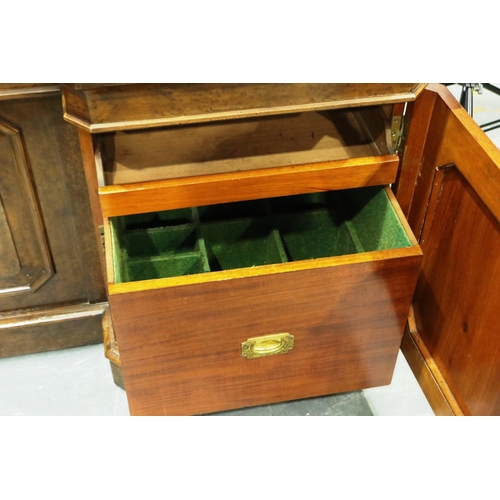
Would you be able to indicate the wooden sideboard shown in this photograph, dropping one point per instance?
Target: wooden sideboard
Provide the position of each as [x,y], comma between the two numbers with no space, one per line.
[159,158]
[52,294]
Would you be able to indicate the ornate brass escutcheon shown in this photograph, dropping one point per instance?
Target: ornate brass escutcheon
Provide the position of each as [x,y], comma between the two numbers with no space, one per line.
[267,345]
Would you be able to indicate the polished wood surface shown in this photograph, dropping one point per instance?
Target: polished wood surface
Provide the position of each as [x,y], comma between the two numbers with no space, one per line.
[458,295]
[50,328]
[111,350]
[455,211]
[253,184]
[25,251]
[48,261]
[109,108]
[427,374]
[89,162]
[191,362]
[311,154]
[420,114]
[270,269]
[236,145]
[453,137]
[22,90]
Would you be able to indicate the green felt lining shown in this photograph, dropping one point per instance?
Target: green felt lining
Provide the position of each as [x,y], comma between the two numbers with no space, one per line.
[255,233]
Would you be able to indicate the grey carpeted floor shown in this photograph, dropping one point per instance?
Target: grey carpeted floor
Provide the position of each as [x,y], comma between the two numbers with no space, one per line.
[347,404]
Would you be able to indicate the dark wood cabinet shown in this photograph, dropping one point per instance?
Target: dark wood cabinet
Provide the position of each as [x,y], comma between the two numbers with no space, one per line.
[160,158]
[52,294]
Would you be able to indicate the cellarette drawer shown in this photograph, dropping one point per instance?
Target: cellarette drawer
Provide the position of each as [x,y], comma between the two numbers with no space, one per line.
[250,303]
[143,171]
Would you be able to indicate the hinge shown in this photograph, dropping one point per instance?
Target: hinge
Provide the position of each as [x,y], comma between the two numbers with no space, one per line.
[399,127]
[103,241]
[396,132]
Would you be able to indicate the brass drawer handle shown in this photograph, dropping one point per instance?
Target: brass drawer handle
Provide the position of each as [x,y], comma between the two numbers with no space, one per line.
[267,345]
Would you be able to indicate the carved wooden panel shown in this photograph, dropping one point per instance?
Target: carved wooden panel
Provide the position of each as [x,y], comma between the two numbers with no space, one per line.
[26,263]
[52,293]
[9,262]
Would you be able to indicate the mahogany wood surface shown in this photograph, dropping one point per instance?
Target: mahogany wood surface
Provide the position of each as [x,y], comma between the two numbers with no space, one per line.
[185,357]
[455,212]
[428,375]
[265,270]
[420,114]
[453,137]
[138,106]
[458,295]
[236,145]
[111,350]
[45,221]
[247,185]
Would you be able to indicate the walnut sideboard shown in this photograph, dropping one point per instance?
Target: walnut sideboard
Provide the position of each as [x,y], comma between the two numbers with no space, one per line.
[269,242]
[52,293]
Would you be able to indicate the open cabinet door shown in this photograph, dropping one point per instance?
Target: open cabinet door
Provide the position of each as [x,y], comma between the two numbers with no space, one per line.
[449,189]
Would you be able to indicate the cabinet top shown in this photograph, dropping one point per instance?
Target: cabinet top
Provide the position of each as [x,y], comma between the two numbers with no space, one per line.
[108,107]
[27,90]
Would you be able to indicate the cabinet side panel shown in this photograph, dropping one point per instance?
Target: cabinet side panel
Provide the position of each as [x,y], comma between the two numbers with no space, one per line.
[46,225]
[458,295]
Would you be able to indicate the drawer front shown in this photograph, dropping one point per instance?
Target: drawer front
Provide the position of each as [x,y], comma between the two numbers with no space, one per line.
[180,347]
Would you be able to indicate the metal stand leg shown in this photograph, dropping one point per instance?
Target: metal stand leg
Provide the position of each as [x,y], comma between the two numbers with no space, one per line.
[466,97]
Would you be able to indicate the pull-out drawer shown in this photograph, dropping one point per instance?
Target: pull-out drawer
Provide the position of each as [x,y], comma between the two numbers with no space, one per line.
[244,144]
[142,171]
[236,305]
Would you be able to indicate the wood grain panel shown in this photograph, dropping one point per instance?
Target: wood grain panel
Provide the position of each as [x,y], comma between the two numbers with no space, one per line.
[458,267]
[51,150]
[461,141]
[420,114]
[10,91]
[48,329]
[255,184]
[42,179]
[104,109]
[458,294]
[25,247]
[427,374]
[9,261]
[347,321]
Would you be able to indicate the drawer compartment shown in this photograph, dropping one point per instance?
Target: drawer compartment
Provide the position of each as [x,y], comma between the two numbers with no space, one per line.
[248,234]
[245,144]
[266,157]
[336,271]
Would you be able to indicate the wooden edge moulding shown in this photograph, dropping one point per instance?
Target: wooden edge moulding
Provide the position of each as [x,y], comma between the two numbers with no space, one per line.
[103,108]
